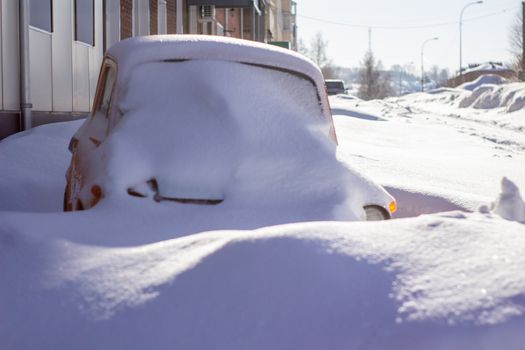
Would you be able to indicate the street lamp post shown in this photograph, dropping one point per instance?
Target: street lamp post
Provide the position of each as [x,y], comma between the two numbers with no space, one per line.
[461,37]
[422,66]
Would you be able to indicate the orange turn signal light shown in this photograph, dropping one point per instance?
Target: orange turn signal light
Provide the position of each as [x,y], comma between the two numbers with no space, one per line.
[392,207]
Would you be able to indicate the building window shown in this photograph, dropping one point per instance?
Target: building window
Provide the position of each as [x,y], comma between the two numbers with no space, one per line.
[41,14]
[85,21]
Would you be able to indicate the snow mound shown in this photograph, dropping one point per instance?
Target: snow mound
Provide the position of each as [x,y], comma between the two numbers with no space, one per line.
[34,165]
[509,204]
[452,281]
[356,113]
[511,97]
[483,80]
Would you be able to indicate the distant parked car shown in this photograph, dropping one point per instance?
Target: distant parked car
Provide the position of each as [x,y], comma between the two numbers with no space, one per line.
[335,87]
[187,119]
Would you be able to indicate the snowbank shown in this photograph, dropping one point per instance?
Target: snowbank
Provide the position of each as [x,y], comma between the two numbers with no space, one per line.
[483,80]
[33,167]
[487,67]
[452,281]
[511,97]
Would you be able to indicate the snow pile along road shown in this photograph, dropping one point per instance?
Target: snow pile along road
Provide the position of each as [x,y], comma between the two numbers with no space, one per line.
[491,79]
[489,92]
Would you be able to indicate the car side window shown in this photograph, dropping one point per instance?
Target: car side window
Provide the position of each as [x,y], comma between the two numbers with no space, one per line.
[104,102]
[100,122]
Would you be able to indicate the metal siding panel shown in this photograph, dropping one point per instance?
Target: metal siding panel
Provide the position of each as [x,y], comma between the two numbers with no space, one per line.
[112,22]
[142,17]
[40,67]
[80,77]
[1,56]
[62,52]
[10,62]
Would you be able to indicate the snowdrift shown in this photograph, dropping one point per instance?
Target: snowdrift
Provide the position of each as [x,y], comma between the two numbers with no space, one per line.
[451,281]
[489,92]
[34,165]
[483,80]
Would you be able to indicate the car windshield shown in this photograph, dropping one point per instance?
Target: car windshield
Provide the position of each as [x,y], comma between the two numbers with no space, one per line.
[199,86]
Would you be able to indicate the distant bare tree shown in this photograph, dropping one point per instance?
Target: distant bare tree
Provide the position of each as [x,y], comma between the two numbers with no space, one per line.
[516,41]
[439,75]
[374,82]
[317,53]
[444,76]
[302,48]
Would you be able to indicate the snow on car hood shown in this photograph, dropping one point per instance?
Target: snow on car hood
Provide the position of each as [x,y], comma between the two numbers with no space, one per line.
[253,136]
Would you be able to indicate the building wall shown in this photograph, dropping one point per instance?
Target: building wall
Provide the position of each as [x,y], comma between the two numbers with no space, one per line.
[171,16]
[126,19]
[1,85]
[64,72]
[10,77]
[41,72]
[113,23]
[141,17]
[162,13]
[153,17]
[281,21]
[62,63]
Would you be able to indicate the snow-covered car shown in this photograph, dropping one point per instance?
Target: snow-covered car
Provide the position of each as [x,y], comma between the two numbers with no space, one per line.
[200,120]
[335,86]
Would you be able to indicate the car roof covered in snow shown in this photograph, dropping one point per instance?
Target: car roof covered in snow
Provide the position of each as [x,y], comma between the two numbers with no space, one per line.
[133,51]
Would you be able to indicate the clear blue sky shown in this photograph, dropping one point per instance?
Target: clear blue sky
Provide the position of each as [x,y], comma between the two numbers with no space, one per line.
[485,30]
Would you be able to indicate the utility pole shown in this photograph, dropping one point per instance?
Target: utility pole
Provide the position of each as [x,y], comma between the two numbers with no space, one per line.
[369,39]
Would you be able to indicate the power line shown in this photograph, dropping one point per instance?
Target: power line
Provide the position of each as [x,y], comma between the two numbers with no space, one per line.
[407,27]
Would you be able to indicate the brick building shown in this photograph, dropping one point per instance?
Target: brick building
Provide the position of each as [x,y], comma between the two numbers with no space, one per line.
[281,22]
[51,50]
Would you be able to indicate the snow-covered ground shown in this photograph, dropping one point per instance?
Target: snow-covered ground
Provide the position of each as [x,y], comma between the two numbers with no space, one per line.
[126,276]
[440,150]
